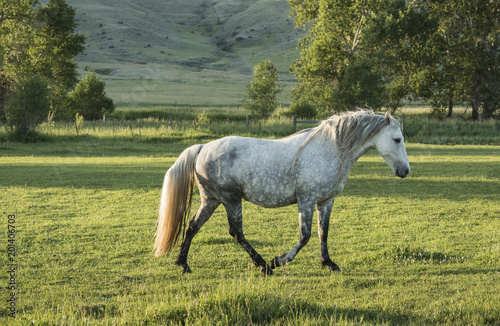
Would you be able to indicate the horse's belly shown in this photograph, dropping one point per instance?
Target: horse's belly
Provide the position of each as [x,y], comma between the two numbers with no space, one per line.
[268,195]
[267,184]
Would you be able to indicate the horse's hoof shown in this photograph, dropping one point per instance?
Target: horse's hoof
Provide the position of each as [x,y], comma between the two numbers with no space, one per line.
[186,269]
[278,261]
[184,265]
[332,266]
[266,270]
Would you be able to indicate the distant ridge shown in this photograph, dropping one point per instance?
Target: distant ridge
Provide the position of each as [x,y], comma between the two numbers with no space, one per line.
[194,34]
[156,53]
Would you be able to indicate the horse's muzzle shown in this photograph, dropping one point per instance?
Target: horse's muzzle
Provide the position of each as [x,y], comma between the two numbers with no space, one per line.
[402,171]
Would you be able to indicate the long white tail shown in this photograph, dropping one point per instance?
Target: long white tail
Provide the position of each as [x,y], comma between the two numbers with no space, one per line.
[174,205]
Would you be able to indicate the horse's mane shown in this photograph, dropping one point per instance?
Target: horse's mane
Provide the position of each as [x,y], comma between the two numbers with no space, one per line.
[348,129]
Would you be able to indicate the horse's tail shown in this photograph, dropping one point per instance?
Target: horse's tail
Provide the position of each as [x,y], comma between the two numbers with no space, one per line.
[174,204]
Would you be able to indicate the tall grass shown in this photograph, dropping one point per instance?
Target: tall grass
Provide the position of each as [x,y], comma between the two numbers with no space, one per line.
[452,132]
[179,113]
[201,124]
[162,130]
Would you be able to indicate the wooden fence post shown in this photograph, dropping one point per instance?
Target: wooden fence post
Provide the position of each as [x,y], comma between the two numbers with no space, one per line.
[295,121]
[403,124]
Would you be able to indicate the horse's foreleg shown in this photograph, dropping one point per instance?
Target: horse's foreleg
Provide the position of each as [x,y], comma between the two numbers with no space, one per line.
[324,211]
[235,219]
[305,220]
[206,210]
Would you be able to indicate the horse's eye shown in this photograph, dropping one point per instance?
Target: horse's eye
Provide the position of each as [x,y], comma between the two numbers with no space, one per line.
[397,140]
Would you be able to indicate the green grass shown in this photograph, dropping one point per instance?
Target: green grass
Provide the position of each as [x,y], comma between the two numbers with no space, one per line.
[185,126]
[150,124]
[422,250]
[183,88]
[455,131]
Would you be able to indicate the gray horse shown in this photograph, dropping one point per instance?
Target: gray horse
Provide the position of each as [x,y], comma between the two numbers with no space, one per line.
[309,168]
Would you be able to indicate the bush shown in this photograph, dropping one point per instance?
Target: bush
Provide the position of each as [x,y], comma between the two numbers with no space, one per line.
[28,106]
[303,109]
[89,98]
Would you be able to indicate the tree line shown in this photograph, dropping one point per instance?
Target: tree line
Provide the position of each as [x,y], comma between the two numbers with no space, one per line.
[38,77]
[378,53]
[358,53]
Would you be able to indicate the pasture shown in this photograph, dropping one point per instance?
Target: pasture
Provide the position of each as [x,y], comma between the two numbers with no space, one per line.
[420,251]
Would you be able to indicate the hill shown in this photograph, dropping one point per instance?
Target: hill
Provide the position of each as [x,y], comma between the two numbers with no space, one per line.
[186,52]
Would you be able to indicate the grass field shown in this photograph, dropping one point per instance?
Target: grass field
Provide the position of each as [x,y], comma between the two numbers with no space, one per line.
[168,124]
[423,250]
[185,52]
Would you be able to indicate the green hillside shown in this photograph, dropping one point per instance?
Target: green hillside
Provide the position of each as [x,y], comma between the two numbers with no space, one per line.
[186,52]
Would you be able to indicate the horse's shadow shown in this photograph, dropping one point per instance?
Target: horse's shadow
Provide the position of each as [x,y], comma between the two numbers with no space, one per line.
[271,309]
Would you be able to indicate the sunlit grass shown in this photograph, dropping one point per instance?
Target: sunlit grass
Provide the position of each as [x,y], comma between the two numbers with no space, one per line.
[174,124]
[420,250]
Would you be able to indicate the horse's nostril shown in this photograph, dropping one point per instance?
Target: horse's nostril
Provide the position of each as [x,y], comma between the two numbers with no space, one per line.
[402,173]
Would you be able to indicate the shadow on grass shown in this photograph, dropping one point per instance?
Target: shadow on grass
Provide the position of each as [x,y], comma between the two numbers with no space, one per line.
[89,176]
[91,146]
[254,309]
[151,174]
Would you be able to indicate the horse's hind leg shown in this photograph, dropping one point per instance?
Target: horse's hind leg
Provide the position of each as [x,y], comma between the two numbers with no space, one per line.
[235,216]
[206,210]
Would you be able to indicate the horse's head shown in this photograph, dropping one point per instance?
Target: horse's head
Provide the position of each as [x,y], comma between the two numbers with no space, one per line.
[389,143]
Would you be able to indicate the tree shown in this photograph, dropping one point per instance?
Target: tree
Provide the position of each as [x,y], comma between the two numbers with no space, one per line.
[56,46]
[262,90]
[89,98]
[441,51]
[397,40]
[334,51]
[15,17]
[40,42]
[360,85]
[466,55]
[28,106]
[302,109]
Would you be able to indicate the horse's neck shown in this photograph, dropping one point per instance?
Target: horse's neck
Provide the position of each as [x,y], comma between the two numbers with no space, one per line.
[350,157]
[324,147]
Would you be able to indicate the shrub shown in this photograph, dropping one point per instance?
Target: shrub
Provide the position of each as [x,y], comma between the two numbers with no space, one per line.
[303,109]
[202,118]
[28,106]
[89,98]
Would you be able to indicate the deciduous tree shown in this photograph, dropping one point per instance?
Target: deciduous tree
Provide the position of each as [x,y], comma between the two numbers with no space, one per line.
[334,51]
[379,53]
[15,18]
[38,40]
[262,90]
[28,106]
[466,55]
[56,46]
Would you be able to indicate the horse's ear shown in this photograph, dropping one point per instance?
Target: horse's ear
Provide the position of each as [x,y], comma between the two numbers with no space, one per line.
[388,118]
